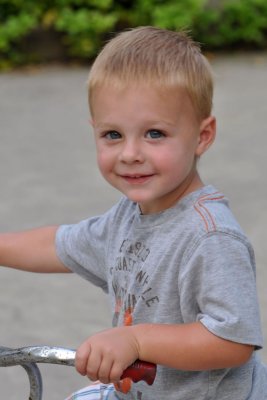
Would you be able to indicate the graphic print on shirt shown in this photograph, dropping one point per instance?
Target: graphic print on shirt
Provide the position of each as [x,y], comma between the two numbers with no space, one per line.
[131,286]
[131,280]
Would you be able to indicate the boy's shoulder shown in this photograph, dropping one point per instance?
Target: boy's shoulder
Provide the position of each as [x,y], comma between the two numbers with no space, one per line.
[209,210]
[205,213]
[206,210]
[210,229]
[207,218]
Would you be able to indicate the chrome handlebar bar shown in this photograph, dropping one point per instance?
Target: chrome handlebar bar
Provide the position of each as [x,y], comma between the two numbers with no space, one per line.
[27,357]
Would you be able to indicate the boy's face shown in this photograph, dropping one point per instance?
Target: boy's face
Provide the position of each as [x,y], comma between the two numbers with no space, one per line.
[147,142]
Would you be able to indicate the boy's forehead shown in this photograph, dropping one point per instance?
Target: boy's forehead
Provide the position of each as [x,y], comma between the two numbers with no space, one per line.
[139,102]
[135,90]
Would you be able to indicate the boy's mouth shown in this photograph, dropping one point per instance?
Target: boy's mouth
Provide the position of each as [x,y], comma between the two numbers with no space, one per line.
[136,178]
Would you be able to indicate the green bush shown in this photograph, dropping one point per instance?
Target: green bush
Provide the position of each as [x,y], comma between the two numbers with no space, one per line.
[216,23]
[17,19]
[169,14]
[234,23]
[81,26]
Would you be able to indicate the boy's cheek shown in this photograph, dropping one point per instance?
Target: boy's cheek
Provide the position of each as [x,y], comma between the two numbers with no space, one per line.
[105,164]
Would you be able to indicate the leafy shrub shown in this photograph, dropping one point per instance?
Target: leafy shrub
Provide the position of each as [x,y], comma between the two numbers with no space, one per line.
[169,14]
[17,19]
[83,29]
[217,23]
[233,23]
[82,25]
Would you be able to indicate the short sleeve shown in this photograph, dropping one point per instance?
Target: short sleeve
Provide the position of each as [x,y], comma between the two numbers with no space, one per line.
[82,248]
[217,287]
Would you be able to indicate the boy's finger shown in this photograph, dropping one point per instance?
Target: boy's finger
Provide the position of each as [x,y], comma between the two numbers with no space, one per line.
[81,358]
[105,369]
[116,372]
[93,365]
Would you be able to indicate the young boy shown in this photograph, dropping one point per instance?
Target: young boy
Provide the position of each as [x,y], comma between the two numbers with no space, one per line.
[178,270]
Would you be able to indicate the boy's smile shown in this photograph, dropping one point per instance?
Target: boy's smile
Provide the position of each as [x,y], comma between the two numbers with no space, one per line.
[147,143]
[136,179]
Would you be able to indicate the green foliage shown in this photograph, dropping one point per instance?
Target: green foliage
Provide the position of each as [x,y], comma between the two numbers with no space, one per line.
[15,27]
[217,23]
[17,19]
[169,14]
[83,29]
[84,22]
[82,25]
[234,23]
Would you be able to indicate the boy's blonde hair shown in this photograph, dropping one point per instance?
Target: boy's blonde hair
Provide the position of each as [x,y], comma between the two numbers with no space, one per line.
[155,57]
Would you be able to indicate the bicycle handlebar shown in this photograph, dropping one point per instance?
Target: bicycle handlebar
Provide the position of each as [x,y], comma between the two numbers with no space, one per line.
[27,357]
[37,354]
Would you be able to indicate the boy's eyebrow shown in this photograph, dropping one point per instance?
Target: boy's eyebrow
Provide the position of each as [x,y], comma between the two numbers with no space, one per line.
[109,124]
[159,122]
[105,125]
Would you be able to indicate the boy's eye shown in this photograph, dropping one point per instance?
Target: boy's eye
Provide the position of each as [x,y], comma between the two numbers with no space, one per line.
[154,134]
[112,135]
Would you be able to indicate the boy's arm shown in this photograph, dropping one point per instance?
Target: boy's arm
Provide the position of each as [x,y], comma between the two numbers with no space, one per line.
[32,250]
[188,347]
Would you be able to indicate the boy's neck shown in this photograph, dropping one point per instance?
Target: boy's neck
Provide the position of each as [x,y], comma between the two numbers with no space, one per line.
[191,184]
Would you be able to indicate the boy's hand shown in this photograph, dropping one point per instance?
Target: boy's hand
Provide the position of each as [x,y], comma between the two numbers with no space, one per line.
[107,354]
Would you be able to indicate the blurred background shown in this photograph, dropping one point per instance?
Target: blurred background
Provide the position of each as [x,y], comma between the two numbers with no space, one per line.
[48,171]
[73,30]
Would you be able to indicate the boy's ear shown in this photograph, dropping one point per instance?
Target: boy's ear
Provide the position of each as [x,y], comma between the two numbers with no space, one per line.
[207,135]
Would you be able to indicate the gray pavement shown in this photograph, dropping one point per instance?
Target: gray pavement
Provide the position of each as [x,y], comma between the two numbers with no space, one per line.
[48,175]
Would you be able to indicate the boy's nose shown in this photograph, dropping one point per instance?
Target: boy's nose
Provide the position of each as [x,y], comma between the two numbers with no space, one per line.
[131,152]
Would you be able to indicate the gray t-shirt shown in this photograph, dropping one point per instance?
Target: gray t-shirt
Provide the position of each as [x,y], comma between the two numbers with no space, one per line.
[188,263]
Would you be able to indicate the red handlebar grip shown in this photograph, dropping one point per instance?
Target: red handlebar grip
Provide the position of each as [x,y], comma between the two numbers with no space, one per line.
[141,371]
